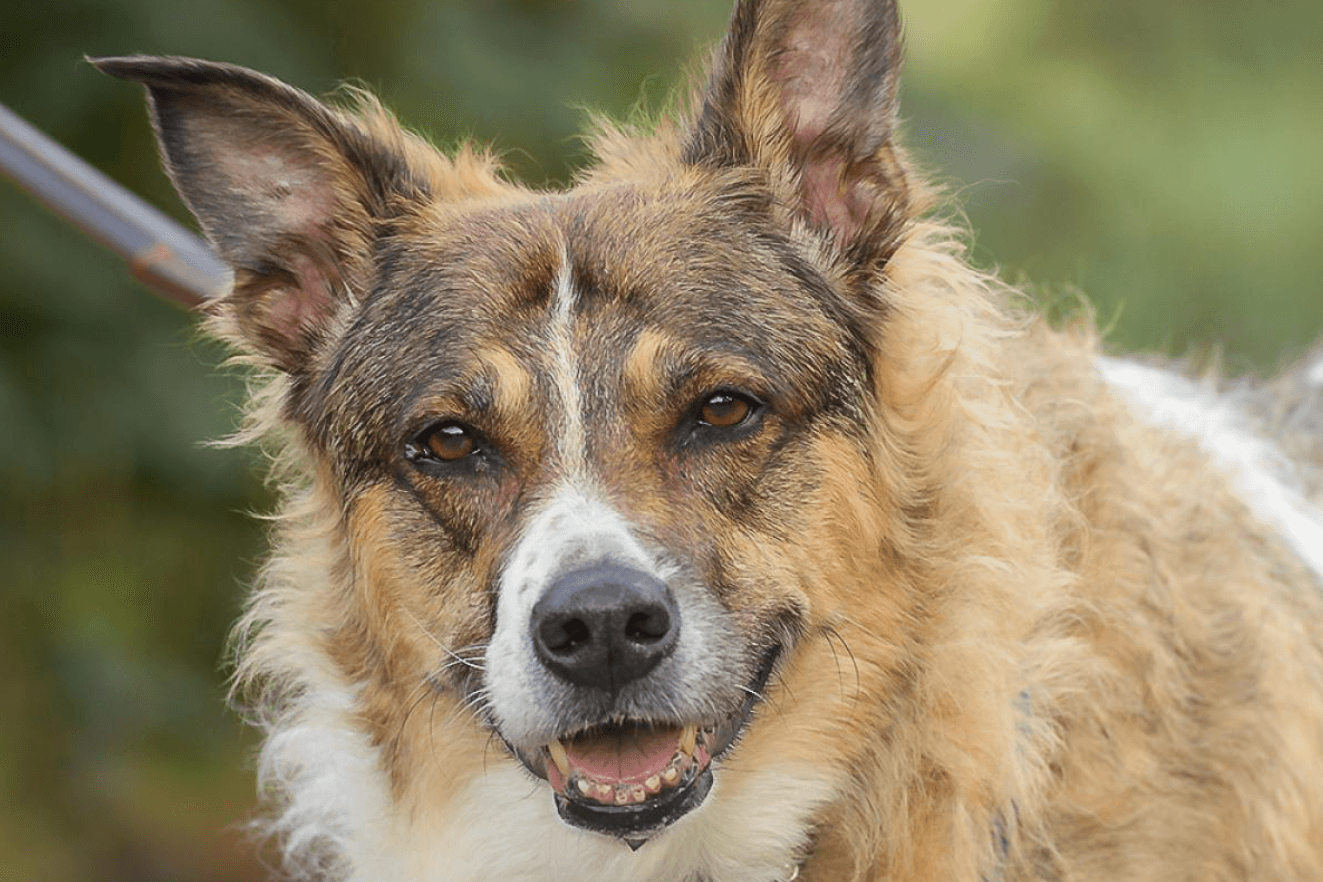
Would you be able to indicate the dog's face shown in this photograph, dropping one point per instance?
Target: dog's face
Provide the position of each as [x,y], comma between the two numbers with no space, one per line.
[584,435]
[613,438]
[598,454]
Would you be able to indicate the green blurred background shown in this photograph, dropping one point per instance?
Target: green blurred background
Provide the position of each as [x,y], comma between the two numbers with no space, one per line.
[1162,158]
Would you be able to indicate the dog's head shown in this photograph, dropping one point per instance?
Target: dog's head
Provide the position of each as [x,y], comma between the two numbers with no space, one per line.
[605,461]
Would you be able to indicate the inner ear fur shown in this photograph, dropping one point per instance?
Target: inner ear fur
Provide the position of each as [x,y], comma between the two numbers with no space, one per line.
[290,191]
[807,92]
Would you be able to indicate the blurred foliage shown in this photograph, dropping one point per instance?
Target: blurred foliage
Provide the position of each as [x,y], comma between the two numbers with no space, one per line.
[1160,158]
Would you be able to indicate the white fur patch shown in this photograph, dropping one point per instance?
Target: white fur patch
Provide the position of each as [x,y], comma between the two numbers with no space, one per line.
[336,807]
[572,531]
[1260,473]
[1314,376]
[576,530]
[571,443]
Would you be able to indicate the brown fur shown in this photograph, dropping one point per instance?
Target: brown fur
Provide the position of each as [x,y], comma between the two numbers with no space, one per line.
[1029,635]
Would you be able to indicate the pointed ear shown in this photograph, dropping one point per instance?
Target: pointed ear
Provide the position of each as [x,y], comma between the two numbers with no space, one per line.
[288,190]
[807,91]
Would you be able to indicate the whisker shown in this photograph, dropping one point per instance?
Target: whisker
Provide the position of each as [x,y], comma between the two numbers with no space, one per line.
[425,686]
[458,659]
[833,636]
[474,703]
[431,727]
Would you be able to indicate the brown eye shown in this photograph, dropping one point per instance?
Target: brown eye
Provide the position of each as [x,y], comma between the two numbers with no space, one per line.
[449,442]
[450,449]
[725,410]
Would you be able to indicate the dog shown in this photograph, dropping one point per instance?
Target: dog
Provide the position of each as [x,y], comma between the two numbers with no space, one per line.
[713,520]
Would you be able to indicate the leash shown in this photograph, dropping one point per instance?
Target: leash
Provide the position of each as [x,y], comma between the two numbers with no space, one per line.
[160,253]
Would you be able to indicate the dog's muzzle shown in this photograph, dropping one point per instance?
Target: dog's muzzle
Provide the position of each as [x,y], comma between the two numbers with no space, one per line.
[602,629]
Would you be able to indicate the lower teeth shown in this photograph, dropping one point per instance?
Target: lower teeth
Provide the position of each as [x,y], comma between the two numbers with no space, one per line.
[627,793]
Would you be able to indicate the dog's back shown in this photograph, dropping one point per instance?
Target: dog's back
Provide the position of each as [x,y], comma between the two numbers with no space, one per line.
[712,520]
[1290,410]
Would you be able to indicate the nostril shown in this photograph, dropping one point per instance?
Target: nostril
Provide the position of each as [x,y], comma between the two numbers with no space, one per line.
[648,626]
[564,637]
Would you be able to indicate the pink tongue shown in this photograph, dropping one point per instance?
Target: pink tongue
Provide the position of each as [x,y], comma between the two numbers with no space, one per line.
[626,756]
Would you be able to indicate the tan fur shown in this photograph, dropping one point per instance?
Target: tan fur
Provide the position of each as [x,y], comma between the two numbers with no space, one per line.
[1173,727]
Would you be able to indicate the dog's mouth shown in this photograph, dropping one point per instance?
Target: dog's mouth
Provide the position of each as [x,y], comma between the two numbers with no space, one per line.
[632,779]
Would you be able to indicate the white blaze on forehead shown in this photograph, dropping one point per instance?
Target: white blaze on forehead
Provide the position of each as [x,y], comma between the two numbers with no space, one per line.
[565,372]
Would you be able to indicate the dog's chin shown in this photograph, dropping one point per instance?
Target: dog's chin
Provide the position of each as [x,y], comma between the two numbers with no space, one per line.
[633,778]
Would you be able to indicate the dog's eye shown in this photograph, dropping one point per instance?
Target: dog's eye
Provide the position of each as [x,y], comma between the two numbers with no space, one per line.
[450,442]
[444,442]
[721,416]
[725,410]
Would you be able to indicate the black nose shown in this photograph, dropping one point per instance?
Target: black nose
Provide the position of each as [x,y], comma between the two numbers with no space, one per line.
[605,626]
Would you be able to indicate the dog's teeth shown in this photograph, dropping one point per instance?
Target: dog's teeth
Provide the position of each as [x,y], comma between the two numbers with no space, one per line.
[688,738]
[559,756]
[627,793]
[631,792]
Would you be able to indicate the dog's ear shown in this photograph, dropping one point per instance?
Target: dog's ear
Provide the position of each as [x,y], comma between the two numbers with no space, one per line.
[288,190]
[806,91]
